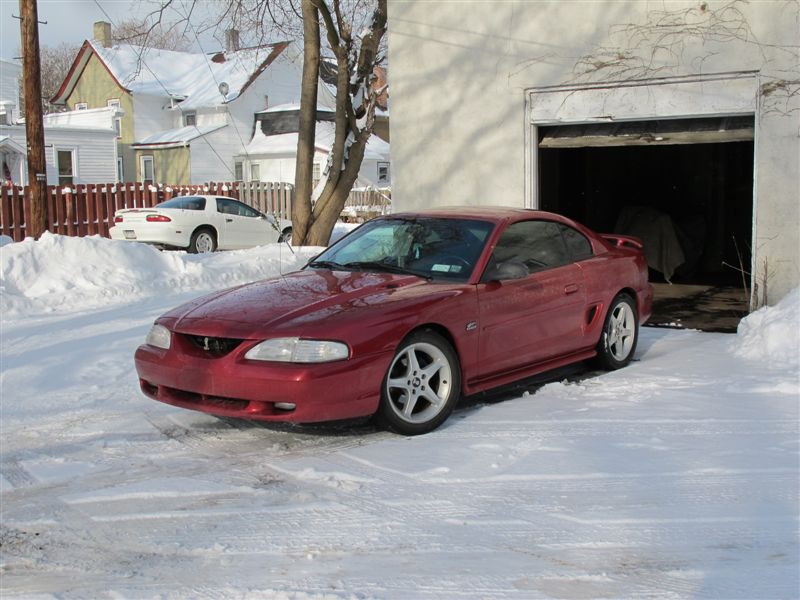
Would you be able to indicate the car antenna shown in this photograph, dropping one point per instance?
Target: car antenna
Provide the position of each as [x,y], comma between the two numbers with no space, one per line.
[274,223]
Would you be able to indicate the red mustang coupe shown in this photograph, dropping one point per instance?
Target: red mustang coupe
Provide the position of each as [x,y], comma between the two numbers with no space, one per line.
[402,317]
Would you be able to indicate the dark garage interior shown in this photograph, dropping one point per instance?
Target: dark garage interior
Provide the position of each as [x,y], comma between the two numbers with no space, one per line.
[691,202]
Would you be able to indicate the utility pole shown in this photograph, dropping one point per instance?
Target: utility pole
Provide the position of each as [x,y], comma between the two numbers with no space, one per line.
[34,128]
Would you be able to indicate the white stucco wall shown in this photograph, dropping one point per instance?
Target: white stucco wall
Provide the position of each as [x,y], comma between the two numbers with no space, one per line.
[211,156]
[468,79]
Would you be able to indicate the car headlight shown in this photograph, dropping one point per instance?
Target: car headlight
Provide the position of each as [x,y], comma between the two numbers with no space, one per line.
[159,336]
[299,351]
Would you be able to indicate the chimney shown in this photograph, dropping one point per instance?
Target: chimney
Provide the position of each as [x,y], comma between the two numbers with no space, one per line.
[231,40]
[102,33]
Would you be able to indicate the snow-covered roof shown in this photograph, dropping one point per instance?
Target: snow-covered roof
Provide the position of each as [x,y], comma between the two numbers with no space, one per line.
[178,137]
[193,77]
[7,143]
[96,118]
[289,107]
[286,143]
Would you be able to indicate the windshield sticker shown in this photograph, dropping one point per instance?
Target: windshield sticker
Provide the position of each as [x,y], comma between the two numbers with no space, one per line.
[446,268]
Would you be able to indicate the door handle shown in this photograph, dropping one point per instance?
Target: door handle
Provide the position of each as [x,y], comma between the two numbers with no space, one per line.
[229,220]
[571,288]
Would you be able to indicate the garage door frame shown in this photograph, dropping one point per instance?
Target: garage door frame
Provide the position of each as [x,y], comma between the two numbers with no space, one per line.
[717,95]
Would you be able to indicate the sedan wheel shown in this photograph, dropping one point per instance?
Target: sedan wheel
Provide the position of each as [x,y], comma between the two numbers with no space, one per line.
[203,240]
[620,334]
[286,235]
[421,386]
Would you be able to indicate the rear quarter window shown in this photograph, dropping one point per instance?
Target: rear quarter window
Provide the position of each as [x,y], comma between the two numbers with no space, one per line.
[185,203]
[580,248]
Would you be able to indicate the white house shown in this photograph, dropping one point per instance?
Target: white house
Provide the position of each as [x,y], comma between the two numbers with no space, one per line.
[80,147]
[185,115]
[688,109]
[272,152]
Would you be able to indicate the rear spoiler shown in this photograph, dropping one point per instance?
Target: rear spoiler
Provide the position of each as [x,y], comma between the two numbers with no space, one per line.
[623,241]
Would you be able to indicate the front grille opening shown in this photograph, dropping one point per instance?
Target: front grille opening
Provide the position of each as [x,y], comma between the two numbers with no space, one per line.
[219,405]
[213,346]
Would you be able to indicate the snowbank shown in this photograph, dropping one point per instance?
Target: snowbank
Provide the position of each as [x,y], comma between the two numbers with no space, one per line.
[65,273]
[772,334]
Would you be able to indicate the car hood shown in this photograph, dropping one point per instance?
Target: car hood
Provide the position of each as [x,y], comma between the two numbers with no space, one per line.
[289,304]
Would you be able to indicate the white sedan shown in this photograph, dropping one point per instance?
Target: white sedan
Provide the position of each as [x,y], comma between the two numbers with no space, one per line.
[200,224]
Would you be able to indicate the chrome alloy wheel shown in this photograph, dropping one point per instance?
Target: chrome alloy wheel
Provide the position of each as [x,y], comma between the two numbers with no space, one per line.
[204,242]
[420,383]
[621,331]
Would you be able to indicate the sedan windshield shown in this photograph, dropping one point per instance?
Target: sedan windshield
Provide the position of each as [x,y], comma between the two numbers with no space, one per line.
[434,248]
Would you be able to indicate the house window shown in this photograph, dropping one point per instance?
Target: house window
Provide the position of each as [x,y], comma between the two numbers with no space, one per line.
[81,106]
[65,160]
[114,103]
[148,174]
[316,174]
[255,172]
[238,171]
[120,170]
[190,119]
[383,172]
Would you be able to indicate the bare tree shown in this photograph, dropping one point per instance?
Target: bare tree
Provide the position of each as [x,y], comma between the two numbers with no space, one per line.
[55,64]
[358,91]
[356,97]
[143,32]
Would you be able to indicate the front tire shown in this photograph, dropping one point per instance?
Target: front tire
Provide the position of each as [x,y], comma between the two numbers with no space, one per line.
[286,236]
[620,334]
[421,386]
[203,240]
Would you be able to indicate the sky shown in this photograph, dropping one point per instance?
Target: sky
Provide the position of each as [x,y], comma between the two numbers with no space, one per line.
[675,477]
[71,21]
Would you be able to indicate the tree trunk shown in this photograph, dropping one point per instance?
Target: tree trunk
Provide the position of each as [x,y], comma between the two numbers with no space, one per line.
[304,170]
[313,223]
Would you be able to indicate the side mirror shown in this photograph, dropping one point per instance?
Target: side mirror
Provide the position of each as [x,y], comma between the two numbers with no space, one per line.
[506,271]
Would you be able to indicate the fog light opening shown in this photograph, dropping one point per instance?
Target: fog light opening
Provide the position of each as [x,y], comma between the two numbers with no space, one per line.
[285,406]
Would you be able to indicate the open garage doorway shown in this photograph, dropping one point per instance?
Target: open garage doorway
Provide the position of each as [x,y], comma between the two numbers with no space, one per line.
[684,186]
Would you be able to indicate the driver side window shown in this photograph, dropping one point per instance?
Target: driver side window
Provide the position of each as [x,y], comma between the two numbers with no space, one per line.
[536,244]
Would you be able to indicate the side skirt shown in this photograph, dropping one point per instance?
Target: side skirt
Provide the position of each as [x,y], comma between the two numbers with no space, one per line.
[474,386]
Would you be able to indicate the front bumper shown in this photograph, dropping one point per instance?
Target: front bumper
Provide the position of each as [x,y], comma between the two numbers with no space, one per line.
[232,386]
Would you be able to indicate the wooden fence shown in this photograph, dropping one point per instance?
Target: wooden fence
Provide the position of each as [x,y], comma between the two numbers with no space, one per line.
[89,209]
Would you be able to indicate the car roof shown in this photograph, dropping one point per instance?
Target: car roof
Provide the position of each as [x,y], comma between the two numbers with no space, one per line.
[496,214]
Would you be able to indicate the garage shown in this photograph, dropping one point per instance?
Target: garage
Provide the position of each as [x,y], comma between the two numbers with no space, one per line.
[684,186]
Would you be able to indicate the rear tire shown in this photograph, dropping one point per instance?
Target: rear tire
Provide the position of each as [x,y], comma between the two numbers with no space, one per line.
[421,386]
[620,334]
[203,240]
[286,236]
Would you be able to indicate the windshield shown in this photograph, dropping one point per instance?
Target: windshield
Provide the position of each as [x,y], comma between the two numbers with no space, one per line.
[436,248]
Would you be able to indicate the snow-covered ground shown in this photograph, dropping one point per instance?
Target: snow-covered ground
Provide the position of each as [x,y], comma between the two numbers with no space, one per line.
[677,477]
